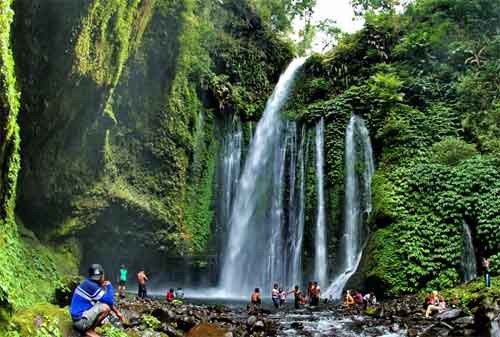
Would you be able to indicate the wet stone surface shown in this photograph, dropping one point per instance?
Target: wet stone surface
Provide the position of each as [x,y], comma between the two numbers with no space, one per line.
[398,318]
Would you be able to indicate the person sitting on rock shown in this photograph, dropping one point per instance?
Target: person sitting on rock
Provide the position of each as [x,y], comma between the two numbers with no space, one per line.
[255,298]
[369,299]
[349,300]
[170,295]
[434,302]
[92,302]
[358,297]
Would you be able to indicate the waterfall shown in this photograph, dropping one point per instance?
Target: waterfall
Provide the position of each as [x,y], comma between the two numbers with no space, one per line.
[298,216]
[468,254]
[254,253]
[320,261]
[229,172]
[495,328]
[357,203]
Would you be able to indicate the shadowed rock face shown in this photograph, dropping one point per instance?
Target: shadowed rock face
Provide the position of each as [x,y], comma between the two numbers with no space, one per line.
[119,123]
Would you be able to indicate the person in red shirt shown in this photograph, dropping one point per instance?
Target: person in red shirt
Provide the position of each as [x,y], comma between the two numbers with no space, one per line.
[170,295]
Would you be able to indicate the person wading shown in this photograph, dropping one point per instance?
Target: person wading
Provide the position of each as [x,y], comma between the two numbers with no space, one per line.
[275,296]
[92,302]
[315,294]
[141,280]
[298,297]
[255,298]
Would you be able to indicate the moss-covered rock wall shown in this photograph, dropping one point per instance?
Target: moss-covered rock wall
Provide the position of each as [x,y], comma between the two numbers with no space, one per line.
[120,114]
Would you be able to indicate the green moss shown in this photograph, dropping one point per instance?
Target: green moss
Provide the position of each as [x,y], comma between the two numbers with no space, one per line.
[41,320]
[466,294]
[109,34]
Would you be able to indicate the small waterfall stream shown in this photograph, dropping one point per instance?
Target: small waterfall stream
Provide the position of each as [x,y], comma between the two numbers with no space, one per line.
[229,171]
[357,203]
[468,255]
[320,260]
[254,255]
[495,328]
[299,216]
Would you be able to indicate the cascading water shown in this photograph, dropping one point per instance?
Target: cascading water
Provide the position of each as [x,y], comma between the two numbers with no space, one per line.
[495,328]
[320,261]
[357,203]
[468,255]
[254,254]
[229,172]
[297,217]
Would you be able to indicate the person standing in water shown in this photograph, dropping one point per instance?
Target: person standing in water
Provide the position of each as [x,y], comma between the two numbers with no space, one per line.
[315,294]
[141,280]
[275,296]
[122,282]
[255,298]
[298,297]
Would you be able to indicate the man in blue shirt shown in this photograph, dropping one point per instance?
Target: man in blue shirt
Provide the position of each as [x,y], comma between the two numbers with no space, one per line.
[92,302]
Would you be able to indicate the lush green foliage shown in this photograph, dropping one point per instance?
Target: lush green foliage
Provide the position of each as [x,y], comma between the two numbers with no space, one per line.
[426,81]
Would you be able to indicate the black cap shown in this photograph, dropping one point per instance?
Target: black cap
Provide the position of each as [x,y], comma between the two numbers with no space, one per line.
[96,271]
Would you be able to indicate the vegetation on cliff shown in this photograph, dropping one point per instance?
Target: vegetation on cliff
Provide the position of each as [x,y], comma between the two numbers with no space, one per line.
[427,81]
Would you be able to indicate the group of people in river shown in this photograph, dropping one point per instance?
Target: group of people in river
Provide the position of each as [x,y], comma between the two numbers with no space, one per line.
[279,295]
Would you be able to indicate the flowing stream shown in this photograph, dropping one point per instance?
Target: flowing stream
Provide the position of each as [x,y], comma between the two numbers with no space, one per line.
[357,204]
[468,255]
[254,255]
[320,260]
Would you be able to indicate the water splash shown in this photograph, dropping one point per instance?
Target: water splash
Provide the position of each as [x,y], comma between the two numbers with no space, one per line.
[256,240]
[357,203]
[320,260]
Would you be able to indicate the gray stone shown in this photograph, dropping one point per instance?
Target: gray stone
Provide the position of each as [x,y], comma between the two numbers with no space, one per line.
[251,321]
[449,314]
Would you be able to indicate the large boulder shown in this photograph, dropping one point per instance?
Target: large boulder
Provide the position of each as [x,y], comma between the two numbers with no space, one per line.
[206,330]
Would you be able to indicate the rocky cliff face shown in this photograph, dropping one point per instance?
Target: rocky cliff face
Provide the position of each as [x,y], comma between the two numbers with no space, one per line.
[119,110]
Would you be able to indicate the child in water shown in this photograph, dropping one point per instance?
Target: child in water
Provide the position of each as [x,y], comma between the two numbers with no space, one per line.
[283,294]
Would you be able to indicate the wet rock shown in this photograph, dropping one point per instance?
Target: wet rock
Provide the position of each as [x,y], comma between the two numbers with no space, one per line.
[395,327]
[206,330]
[464,321]
[259,326]
[170,331]
[297,326]
[251,321]
[186,323]
[450,314]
